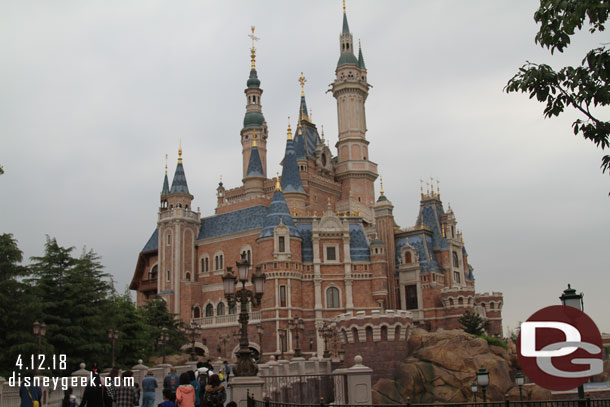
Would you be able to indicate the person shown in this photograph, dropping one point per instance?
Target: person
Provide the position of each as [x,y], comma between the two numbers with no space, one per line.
[171,382]
[124,395]
[202,375]
[227,370]
[30,395]
[69,399]
[215,393]
[185,393]
[109,389]
[137,387]
[149,386]
[95,394]
[196,387]
[167,394]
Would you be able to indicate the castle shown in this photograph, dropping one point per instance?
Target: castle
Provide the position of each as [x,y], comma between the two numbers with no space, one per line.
[329,247]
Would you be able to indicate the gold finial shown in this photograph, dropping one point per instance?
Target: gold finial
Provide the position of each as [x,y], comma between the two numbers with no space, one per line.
[359,210]
[278,186]
[323,141]
[438,188]
[421,188]
[289,131]
[165,164]
[381,181]
[300,128]
[432,186]
[253,50]
[254,143]
[180,153]
[359,44]
[302,81]
[343,6]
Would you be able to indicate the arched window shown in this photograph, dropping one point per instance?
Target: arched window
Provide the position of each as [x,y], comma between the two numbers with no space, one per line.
[219,261]
[248,253]
[231,309]
[220,309]
[209,310]
[456,260]
[205,264]
[153,273]
[196,312]
[408,258]
[332,297]
[188,276]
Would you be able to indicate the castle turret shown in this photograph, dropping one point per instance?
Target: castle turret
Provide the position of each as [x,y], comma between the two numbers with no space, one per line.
[384,224]
[292,186]
[255,126]
[178,227]
[354,170]
[165,188]
[255,177]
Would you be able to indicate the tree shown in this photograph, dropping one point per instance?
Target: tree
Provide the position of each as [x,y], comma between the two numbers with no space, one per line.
[473,323]
[18,305]
[583,87]
[136,337]
[157,316]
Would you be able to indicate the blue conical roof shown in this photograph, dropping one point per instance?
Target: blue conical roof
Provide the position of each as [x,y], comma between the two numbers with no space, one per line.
[345,25]
[255,168]
[179,185]
[276,213]
[360,59]
[165,189]
[291,179]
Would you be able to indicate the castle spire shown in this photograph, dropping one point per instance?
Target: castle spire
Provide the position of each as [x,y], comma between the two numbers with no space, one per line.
[289,131]
[179,185]
[360,57]
[253,49]
[165,189]
[345,25]
[291,178]
[180,153]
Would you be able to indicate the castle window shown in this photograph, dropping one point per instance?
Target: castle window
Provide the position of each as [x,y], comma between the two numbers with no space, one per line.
[188,276]
[169,239]
[169,274]
[218,261]
[408,258]
[331,253]
[205,264]
[411,296]
[247,251]
[153,273]
[231,309]
[282,244]
[456,276]
[456,260]
[283,302]
[220,309]
[332,297]
[196,312]
[284,342]
[209,310]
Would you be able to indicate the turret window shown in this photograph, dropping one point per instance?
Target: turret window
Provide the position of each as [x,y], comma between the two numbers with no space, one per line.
[456,260]
[411,296]
[205,264]
[169,274]
[219,261]
[220,309]
[456,276]
[282,244]
[408,258]
[153,273]
[196,312]
[283,302]
[169,239]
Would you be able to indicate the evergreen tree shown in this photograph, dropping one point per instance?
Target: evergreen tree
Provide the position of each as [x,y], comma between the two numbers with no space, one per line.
[136,337]
[473,323]
[19,307]
[158,318]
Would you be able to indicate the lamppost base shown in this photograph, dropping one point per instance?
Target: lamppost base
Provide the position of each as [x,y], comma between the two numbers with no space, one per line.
[242,385]
[245,365]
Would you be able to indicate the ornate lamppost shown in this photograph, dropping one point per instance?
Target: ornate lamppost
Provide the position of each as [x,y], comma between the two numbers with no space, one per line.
[519,380]
[483,381]
[297,324]
[163,341]
[473,389]
[327,332]
[113,335]
[569,298]
[193,331]
[260,330]
[245,366]
[39,331]
[224,339]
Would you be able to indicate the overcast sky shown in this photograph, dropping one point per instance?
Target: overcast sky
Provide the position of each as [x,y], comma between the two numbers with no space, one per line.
[94,94]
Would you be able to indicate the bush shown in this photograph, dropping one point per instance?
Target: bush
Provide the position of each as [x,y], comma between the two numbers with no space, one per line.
[494,341]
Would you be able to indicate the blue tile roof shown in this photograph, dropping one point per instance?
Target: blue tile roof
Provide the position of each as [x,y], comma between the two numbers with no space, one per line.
[358,245]
[278,210]
[165,189]
[307,244]
[345,25]
[291,179]
[423,246]
[179,183]
[232,222]
[255,168]
[153,242]
[299,145]
[432,212]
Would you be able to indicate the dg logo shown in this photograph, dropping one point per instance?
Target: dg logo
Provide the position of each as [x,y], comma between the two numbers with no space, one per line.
[560,348]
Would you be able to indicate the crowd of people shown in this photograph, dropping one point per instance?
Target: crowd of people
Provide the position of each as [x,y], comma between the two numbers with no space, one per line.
[199,388]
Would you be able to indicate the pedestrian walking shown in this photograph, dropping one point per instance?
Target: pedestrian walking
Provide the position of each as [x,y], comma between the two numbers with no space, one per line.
[31,395]
[125,395]
[149,387]
[95,394]
[171,382]
[185,393]
[215,393]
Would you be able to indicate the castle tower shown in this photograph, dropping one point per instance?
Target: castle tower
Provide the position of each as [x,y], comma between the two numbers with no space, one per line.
[178,228]
[255,126]
[384,224]
[255,177]
[354,170]
[291,183]
[165,189]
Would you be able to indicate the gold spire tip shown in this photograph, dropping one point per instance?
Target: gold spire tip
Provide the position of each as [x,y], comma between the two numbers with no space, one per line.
[343,6]
[254,143]
[253,49]
[302,81]
[381,181]
[278,186]
[180,152]
[165,164]
[289,130]
[359,44]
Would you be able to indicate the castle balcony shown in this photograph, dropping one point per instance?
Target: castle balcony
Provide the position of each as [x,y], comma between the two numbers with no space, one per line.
[148,285]
[226,320]
[179,213]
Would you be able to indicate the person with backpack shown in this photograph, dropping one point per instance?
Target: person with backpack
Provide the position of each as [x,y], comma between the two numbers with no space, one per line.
[215,393]
[31,395]
[202,374]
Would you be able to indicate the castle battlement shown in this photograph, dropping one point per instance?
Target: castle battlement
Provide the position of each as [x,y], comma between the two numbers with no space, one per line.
[390,325]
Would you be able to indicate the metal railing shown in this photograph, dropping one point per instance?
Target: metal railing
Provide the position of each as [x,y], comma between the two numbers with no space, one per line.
[308,389]
[322,402]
